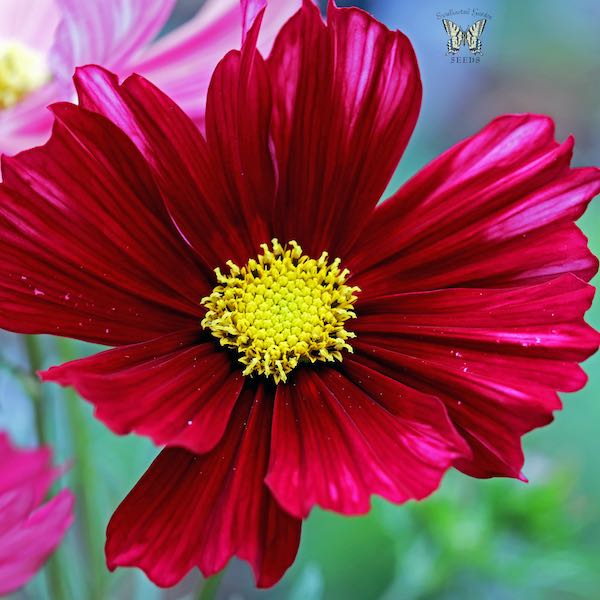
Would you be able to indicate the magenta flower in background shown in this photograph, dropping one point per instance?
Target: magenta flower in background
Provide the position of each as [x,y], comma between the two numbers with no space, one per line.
[42,41]
[29,530]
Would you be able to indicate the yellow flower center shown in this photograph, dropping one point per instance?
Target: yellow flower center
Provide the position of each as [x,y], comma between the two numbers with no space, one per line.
[22,71]
[282,309]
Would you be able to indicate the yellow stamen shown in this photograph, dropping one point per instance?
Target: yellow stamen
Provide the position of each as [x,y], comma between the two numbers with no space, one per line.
[281,309]
[22,71]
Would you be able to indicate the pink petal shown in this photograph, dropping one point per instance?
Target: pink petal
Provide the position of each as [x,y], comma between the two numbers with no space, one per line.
[33,23]
[109,32]
[178,389]
[29,533]
[25,478]
[24,550]
[496,209]
[495,358]
[182,62]
[21,467]
[28,123]
[346,99]
[340,437]
[126,276]
[250,10]
[200,511]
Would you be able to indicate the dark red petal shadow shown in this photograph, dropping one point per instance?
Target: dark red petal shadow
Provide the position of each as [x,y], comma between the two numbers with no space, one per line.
[200,511]
[340,437]
[497,209]
[87,249]
[494,357]
[346,99]
[178,389]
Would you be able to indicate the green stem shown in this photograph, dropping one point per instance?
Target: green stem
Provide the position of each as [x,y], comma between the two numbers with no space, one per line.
[85,482]
[33,386]
[210,587]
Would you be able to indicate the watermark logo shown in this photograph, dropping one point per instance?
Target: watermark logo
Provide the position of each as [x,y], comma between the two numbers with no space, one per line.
[464,37]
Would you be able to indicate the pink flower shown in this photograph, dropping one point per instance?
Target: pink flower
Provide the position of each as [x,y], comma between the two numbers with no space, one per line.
[42,41]
[29,530]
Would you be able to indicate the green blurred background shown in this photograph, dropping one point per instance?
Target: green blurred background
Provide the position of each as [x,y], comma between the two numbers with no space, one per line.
[501,539]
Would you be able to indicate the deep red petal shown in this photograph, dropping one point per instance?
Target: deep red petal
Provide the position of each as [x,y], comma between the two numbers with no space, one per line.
[200,511]
[340,437]
[178,390]
[215,193]
[495,358]
[238,116]
[495,210]
[88,250]
[346,99]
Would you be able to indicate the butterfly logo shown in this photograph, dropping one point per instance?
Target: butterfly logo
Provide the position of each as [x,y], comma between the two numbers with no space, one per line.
[458,37]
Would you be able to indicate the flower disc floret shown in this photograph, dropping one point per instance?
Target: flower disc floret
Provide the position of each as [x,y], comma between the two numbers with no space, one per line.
[281,309]
[22,71]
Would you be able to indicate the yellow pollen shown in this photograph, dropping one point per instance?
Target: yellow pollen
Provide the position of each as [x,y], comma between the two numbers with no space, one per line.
[281,309]
[22,71]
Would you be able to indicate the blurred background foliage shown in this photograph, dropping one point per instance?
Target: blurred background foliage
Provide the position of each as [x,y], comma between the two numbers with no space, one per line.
[501,539]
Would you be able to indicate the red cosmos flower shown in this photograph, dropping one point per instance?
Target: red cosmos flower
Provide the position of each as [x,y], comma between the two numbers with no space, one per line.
[344,348]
